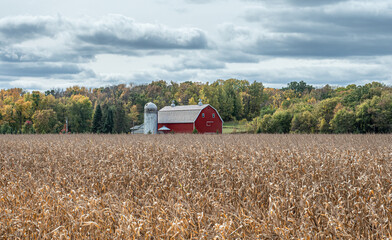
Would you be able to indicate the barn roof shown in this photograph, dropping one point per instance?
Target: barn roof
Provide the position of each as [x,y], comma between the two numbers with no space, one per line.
[137,129]
[180,114]
[164,128]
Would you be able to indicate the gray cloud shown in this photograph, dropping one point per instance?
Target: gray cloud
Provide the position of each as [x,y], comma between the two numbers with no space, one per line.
[38,69]
[314,2]
[111,34]
[48,47]
[350,29]
[234,56]
[301,2]
[19,29]
[196,62]
[5,80]
[153,41]
[199,1]
[15,54]
[350,18]
[123,32]
[303,46]
[292,2]
[53,58]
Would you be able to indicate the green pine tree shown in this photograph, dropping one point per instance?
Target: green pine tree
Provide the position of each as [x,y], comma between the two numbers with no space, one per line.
[97,120]
[109,123]
[120,121]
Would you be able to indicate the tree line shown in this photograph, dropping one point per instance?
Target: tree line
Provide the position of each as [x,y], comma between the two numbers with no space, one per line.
[297,108]
[300,108]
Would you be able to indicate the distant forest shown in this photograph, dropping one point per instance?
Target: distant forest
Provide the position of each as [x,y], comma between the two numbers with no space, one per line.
[297,108]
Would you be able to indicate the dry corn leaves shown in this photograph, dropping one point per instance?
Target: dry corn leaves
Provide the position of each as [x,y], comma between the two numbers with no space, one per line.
[196,186]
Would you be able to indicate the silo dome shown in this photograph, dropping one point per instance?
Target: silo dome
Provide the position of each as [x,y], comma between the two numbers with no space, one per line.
[150,107]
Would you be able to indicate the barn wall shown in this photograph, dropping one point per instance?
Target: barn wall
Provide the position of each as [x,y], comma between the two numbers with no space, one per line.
[178,127]
[208,124]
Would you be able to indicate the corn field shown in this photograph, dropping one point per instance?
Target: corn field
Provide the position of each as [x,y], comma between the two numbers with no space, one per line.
[195,186]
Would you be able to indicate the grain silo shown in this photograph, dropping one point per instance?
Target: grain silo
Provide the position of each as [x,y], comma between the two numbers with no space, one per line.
[150,118]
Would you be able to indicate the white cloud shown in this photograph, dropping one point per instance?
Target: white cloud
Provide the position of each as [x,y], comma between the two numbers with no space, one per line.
[195,60]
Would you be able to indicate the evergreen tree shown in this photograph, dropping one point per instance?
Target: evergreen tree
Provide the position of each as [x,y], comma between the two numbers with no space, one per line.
[109,123]
[97,120]
[120,120]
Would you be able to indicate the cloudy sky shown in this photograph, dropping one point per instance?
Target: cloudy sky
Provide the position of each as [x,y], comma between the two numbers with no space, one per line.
[47,44]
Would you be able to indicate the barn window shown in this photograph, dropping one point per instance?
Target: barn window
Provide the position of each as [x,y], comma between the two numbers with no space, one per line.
[213,115]
[203,115]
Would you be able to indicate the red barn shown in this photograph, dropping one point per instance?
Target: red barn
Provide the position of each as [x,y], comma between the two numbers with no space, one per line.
[183,119]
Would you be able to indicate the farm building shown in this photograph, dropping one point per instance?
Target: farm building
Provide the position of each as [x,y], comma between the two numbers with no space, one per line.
[181,119]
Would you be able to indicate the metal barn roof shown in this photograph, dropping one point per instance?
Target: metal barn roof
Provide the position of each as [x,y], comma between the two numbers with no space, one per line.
[137,129]
[164,128]
[180,114]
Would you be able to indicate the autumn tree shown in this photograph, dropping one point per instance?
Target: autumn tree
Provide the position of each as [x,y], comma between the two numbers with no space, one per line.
[299,87]
[255,98]
[281,121]
[45,121]
[79,110]
[133,115]
[297,108]
[343,121]
[304,122]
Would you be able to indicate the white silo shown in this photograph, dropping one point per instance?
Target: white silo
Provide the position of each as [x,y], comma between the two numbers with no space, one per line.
[150,118]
